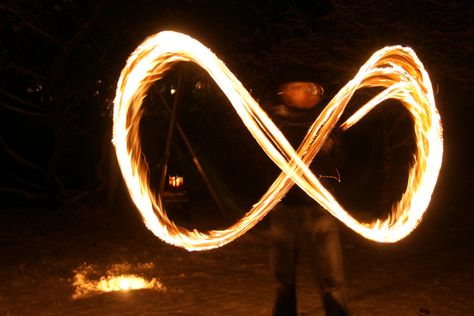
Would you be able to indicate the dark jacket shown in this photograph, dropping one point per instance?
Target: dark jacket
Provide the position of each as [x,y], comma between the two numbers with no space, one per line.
[294,124]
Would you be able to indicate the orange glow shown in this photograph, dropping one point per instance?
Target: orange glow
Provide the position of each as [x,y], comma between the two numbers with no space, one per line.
[112,282]
[396,69]
[175,181]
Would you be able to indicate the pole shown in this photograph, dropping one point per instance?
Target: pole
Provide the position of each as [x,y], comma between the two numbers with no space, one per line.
[196,162]
[169,138]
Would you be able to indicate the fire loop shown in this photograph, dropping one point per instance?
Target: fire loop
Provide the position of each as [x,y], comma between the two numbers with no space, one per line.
[396,69]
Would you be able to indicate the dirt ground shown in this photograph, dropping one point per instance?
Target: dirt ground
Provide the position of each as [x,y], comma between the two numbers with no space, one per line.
[428,273]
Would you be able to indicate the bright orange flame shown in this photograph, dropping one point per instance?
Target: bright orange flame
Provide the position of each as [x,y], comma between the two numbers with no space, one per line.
[124,282]
[114,281]
[395,68]
[175,181]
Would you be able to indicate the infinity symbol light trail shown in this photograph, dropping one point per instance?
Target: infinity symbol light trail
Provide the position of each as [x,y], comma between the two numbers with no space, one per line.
[395,68]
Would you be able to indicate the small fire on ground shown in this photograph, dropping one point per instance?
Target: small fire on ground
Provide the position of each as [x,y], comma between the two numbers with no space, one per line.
[88,280]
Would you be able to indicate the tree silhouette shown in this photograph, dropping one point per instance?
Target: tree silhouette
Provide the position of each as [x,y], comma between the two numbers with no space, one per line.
[60,61]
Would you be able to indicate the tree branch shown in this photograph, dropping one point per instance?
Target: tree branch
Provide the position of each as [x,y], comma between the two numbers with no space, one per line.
[25,112]
[22,101]
[81,130]
[25,193]
[21,70]
[21,159]
[33,27]
[71,44]
[22,181]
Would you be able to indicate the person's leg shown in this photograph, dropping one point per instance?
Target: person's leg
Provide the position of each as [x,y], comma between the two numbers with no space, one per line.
[283,256]
[327,257]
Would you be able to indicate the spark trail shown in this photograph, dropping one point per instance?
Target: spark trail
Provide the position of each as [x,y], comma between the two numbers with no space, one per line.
[396,69]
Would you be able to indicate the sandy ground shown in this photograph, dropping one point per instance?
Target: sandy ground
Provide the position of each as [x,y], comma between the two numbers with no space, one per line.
[428,273]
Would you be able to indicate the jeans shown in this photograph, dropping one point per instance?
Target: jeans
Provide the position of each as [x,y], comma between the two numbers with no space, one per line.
[290,226]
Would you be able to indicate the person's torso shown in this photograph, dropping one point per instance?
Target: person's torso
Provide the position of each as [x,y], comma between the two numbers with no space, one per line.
[294,124]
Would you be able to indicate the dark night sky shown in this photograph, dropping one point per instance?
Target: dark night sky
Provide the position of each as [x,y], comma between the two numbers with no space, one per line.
[62,59]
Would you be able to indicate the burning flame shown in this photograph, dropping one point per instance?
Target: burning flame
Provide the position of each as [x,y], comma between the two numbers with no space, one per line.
[175,181]
[86,286]
[396,69]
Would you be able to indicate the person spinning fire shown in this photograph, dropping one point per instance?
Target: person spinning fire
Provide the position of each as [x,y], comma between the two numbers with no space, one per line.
[298,221]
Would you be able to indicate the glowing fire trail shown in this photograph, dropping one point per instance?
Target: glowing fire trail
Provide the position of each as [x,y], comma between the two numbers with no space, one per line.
[114,281]
[395,68]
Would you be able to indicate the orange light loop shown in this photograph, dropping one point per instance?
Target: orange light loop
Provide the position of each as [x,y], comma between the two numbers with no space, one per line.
[396,69]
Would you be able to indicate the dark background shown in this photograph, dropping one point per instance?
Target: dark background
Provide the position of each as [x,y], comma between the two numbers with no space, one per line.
[60,61]
[63,202]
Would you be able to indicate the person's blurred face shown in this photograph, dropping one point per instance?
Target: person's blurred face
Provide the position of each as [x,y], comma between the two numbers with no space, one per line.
[301,94]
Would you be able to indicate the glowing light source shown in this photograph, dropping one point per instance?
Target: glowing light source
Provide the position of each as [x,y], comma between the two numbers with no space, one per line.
[175,182]
[114,280]
[396,69]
